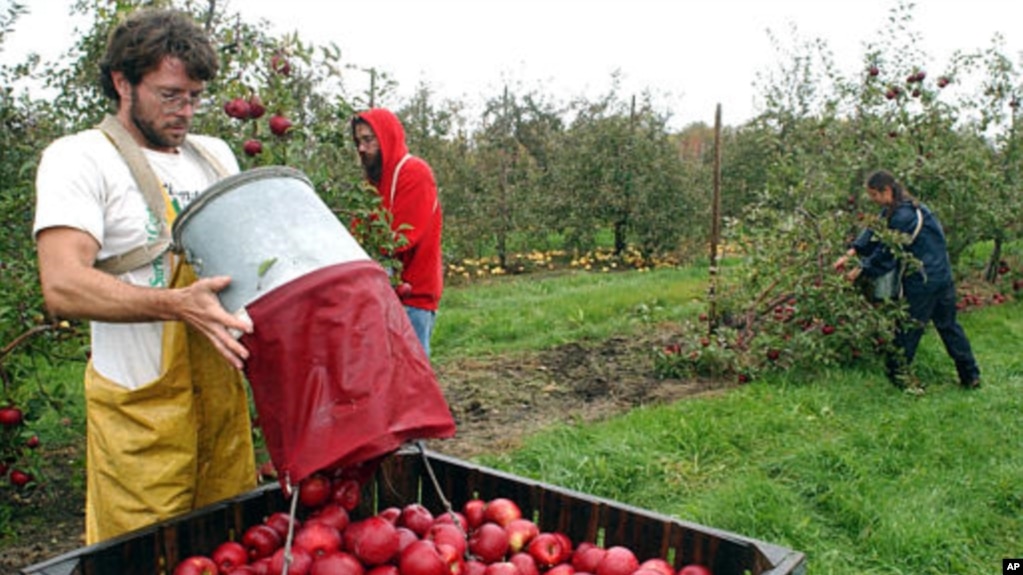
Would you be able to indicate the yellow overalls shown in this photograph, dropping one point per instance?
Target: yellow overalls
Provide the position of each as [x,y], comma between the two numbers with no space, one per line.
[171,446]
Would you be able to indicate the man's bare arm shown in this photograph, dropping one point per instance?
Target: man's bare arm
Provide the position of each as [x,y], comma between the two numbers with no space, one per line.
[73,288]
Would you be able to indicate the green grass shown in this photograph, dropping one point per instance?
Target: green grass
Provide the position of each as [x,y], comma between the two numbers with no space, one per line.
[845,468]
[534,312]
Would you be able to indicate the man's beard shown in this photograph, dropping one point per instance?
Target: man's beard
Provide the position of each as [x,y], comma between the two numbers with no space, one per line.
[148,129]
[373,167]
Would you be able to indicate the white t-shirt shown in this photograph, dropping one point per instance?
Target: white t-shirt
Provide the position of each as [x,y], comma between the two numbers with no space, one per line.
[83,183]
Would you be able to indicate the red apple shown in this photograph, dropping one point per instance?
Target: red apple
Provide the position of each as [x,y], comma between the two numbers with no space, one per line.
[475,567]
[336,563]
[501,511]
[279,125]
[694,569]
[405,538]
[332,514]
[301,562]
[404,289]
[455,518]
[587,556]
[448,534]
[561,569]
[256,108]
[261,541]
[314,491]
[520,532]
[422,558]
[252,147]
[11,416]
[347,493]
[618,560]
[391,514]
[318,538]
[658,566]
[474,512]
[489,542]
[373,540]
[386,569]
[502,568]
[417,518]
[454,560]
[280,522]
[237,108]
[279,64]
[230,554]
[19,478]
[546,549]
[566,547]
[262,566]
[196,565]
[524,561]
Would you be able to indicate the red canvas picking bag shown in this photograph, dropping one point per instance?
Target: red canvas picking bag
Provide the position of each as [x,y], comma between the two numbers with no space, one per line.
[337,373]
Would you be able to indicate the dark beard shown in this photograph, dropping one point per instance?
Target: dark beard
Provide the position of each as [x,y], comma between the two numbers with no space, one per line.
[148,131]
[373,169]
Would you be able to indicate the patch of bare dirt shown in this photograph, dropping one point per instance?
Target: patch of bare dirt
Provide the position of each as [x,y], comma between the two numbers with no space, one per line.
[496,401]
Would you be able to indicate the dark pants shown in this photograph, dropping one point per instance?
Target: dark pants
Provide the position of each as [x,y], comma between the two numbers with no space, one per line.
[939,307]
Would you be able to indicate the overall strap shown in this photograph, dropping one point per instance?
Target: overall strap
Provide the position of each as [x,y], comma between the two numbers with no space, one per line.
[205,154]
[152,190]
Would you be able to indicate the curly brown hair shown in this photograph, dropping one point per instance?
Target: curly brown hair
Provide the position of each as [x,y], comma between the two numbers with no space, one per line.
[138,45]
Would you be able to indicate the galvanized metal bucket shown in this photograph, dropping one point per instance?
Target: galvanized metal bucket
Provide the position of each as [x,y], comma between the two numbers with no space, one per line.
[263,227]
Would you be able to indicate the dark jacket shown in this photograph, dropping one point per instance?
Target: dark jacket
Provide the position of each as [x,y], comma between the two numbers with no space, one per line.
[929,247]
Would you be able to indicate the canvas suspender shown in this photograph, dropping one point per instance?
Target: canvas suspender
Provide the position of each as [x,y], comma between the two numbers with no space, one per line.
[153,192]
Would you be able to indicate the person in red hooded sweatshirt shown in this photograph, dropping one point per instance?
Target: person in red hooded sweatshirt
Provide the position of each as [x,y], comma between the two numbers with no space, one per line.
[408,192]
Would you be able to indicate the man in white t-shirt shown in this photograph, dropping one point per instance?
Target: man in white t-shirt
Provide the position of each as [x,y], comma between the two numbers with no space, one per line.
[168,426]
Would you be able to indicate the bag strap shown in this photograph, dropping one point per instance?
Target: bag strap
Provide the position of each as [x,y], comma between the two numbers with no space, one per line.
[919,226]
[153,193]
[394,182]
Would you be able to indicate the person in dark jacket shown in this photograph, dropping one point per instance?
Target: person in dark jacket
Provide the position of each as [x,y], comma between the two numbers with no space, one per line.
[927,283]
[408,191]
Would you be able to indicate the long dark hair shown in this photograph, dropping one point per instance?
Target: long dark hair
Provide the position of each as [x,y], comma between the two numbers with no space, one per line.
[144,39]
[881,179]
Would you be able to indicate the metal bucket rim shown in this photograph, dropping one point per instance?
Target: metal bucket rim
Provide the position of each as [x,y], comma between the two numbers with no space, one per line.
[229,183]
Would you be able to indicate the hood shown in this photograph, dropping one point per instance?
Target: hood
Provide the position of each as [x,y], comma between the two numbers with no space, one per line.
[391,136]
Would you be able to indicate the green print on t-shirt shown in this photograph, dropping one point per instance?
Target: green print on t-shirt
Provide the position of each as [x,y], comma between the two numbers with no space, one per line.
[159,270]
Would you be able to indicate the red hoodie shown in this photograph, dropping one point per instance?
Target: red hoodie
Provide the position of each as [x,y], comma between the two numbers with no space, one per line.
[413,203]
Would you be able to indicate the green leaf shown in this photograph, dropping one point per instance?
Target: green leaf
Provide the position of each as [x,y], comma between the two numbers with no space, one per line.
[265,266]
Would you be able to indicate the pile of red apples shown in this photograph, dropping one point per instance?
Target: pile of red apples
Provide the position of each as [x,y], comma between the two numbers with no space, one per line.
[483,538]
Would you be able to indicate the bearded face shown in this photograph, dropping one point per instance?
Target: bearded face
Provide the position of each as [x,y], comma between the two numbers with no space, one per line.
[369,152]
[162,105]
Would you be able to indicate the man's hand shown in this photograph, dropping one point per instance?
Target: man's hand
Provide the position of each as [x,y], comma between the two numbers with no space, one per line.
[201,309]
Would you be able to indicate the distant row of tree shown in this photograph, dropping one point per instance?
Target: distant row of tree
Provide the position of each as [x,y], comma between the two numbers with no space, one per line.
[528,172]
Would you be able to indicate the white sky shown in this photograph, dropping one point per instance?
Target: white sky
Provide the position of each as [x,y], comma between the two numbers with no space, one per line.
[697,53]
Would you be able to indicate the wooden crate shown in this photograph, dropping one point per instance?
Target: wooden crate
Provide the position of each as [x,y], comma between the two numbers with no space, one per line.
[405,478]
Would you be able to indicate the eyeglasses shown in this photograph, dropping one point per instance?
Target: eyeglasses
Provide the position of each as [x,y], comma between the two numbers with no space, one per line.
[171,103]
